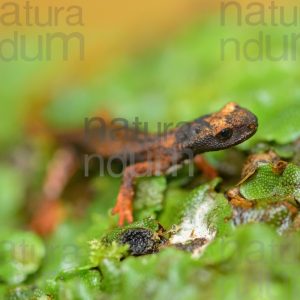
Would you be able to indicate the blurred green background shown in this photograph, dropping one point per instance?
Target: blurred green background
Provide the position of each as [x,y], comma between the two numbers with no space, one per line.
[160,62]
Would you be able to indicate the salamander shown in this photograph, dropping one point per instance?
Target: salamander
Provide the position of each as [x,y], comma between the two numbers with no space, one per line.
[156,154]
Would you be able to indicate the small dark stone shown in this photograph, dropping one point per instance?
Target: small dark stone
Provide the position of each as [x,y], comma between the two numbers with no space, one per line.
[140,240]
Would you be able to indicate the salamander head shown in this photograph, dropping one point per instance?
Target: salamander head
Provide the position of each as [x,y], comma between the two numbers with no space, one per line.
[230,126]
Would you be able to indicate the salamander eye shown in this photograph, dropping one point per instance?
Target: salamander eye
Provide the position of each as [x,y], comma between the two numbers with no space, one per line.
[196,130]
[225,134]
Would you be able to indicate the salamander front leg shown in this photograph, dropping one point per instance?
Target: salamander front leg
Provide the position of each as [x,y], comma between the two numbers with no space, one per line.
[125,197]
[203,166]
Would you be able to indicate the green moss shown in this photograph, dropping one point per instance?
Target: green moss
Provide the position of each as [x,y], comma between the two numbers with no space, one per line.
[174,202]
[21,254]
[204,215]
[252,261]
[149,196]
[114,235]
[195,198]
[219,218]
[26,293]
[266,183]
[85,286]
[276,215]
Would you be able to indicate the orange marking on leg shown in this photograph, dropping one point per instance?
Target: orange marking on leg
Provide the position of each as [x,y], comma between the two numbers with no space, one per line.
[49,212]
[205,167]
[123,206]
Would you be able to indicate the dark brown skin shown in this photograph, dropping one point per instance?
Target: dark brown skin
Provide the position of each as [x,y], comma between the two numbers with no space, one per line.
[150,155]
